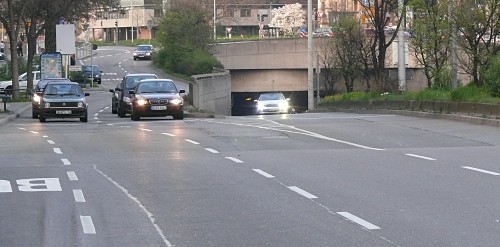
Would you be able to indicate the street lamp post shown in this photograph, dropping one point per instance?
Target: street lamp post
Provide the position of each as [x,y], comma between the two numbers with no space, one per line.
[132,19]
[215,28]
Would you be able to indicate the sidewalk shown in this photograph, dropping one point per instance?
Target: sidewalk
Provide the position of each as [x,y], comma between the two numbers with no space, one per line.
[14,110]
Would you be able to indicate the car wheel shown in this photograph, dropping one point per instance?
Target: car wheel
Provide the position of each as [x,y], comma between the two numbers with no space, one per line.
[113,108]
[34,114]
[84,118]
[41,118]
[178,116]
[135,58]
[135,116]
[8,90]
[121,113]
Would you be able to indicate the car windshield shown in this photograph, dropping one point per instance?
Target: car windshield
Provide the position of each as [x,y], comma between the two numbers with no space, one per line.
[132,81]
[144,48]
[156,87]
[271,96]
[88,69]
[63,90]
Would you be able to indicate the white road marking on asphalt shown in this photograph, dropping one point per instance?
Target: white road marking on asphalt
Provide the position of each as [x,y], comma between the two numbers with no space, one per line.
[110,124]
[212,150]
[88,226]
[51,142]
[34,132]
[234,159]
[301,132]
[358,220]
[481,170]
[146,129]
[302,192]
[22,128]
[45,136]
[78,194]
[420,157]
[191,141]
[101,110]
[72,176]
[97,114]
[149,214]
[66,162]
[167,134]
[107,107]
[57,151]
[96,118]
[98,121]
[263,173]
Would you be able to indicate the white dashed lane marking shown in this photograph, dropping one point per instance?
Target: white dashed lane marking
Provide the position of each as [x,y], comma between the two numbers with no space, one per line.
[51,142]
[34,132]
[57,151]
[72,176]
[78,194]
[168,134]
[212,150]
[420,157]
[302,192]
[148,130]
[359,221]
[481,170]
[263,173]
[66,162]
[234,159]
[87,224]
[191,141]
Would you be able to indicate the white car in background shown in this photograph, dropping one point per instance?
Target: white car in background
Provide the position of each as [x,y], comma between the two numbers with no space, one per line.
[274,102]
[6,86]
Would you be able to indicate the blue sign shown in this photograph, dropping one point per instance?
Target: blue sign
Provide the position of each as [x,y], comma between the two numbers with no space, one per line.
[51,65]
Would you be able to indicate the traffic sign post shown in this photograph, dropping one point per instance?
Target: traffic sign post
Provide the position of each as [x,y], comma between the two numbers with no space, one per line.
[150,25]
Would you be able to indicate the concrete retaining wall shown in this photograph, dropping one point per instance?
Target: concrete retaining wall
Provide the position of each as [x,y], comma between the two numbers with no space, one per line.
[212,93]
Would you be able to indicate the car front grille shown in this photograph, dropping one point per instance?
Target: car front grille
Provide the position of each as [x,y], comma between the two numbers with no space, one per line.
[271,105]
[64,104]
[158,101]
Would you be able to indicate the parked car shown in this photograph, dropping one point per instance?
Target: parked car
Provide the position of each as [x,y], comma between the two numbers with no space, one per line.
[323,32]
[62,99]
[157,98]
[6,86]
[92,71]
[121,92]
[37,94]
[143,52]
[273,102]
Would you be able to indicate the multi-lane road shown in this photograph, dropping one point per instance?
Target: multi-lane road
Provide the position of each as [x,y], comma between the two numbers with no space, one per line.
[313,179]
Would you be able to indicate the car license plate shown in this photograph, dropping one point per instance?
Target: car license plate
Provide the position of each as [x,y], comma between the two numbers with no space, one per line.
[63,112]
[158,107]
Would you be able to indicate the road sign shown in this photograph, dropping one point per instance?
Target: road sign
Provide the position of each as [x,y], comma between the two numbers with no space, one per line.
[150,25]
[75,68]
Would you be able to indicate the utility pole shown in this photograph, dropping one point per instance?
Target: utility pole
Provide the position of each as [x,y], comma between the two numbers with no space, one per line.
[310,73]
[132,19]
[453,49]
[401,46]
[215,28]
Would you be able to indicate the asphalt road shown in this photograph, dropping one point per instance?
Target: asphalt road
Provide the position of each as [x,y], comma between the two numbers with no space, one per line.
[313,179]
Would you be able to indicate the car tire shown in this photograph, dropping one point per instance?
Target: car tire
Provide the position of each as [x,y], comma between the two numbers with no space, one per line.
[121,113]
[178,116]
[135,58]
[41,118]
[113,108]
[84,118]
[34,115]
[134,116]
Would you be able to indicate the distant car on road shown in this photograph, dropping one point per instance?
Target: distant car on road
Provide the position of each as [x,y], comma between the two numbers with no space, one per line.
[63,99]
[6,86]
[143,52]
[121,92]
[92,71]
[273,102]
[37,94]
[157,98]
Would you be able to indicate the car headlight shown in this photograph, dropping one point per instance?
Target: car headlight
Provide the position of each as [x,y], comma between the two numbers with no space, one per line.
[81,104]
[47,105]
[260,105]
[283,105]
[126,99]
[142,102]
[37,98]
[97,75]
[176,101]
[148,53]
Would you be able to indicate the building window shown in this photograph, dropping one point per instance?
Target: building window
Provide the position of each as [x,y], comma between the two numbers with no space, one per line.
[228,13]
[245,13]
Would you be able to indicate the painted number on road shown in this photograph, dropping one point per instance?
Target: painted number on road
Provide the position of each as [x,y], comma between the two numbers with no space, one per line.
[32,185]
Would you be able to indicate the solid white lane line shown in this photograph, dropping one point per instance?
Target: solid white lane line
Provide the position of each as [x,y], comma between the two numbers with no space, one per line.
[263,173]
[66,162]
[78,194]
[167,134]
[149,214]
[72,176]
[34,132]
[302,192]
[87,224]
[51,142]
[420,157]
[191,141]
[57,151]
[481,170]
[234,159]
[358,220]
[212,150]
[146,129]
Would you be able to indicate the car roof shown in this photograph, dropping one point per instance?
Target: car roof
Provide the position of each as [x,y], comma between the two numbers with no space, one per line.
[63,82]
[141,74]
[146,80]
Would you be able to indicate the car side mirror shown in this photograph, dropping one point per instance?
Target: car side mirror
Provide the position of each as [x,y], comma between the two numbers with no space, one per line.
[118,89]
[101,71]
[131,92]
[182,91]
[87,94]
[111,90]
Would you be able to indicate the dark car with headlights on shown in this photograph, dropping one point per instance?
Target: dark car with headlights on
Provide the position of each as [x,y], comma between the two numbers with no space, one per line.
[35,98]
[63,100]
[121,98]
[143,52]
[157,98]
